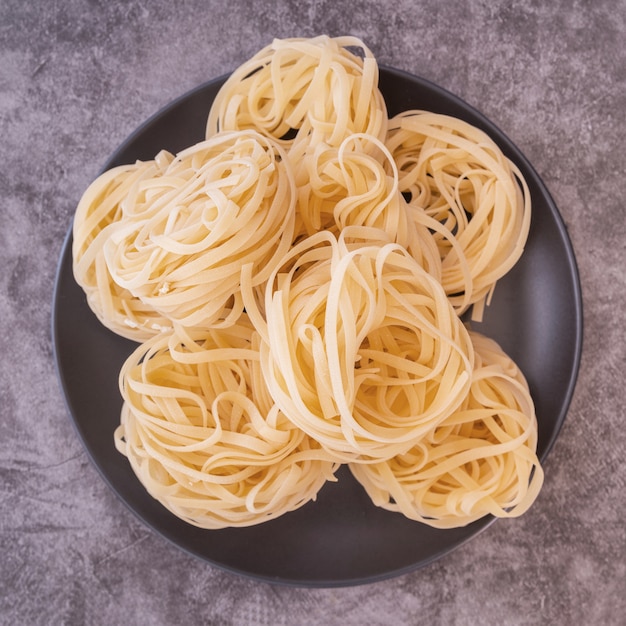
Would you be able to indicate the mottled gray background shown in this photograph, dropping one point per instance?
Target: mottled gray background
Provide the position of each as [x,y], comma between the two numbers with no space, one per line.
[77,77]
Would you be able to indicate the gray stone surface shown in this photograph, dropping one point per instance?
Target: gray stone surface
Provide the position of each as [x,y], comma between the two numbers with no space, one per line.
[77,76]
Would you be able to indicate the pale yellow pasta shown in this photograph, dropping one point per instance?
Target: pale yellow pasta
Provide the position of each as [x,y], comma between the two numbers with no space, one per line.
[205,438]
[474,199]
[303,92]
[220,204]
[480,460]
[297,279]
[347,186]
[361,349]
[100,209]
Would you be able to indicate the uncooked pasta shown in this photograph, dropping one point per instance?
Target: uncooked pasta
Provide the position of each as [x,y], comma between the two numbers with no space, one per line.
[480,460]
[303,92]
[99,211]
[206,439]
[348,186]
[472,197]
[362,349]
[220,204]
[297,282]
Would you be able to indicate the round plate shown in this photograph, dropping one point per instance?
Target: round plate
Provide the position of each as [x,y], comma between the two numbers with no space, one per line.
[342,538]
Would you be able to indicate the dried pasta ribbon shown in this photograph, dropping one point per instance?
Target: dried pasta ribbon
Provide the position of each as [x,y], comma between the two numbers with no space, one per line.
[480,460]
[473,198]
[203,435]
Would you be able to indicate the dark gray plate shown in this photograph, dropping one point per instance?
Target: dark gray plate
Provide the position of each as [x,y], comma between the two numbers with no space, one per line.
[341,539]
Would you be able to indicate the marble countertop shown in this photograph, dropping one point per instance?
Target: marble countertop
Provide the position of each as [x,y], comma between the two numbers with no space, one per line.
[76,77]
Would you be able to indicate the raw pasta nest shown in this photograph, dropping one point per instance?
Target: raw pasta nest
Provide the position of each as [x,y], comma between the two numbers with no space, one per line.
[205,438]
[480,460]
[348,186]
[182,234]
[362,349]
[303,92]
[471,196]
